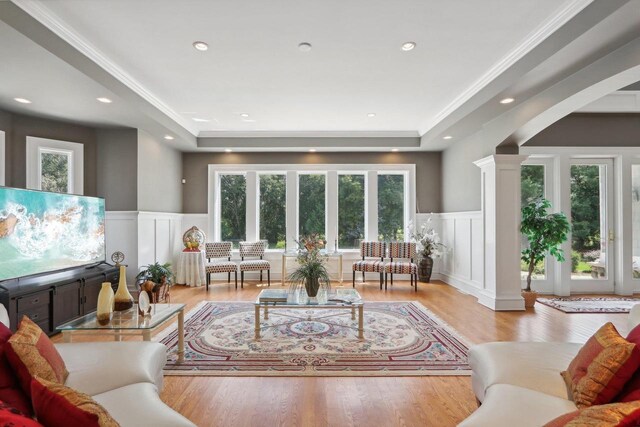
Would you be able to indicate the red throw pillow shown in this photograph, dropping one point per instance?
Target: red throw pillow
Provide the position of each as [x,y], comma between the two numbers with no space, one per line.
[60,406]
[611,415]
[10,392]
[601,368]
[31,352]
[11,417]
[631,390]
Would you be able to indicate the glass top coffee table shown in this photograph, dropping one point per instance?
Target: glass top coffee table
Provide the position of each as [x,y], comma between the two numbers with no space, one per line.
[129,322]
[272,299]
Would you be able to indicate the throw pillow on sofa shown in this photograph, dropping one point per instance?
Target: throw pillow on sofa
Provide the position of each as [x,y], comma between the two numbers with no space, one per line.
[31,352]
[11,417]
[57,405]
[601,368]
[10,392]
[612,415]
[631,390]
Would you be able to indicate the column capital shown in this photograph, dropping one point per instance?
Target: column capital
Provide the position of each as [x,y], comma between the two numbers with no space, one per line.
[501,159]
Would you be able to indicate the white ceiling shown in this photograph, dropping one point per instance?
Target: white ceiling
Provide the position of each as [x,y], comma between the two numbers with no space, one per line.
[253,65]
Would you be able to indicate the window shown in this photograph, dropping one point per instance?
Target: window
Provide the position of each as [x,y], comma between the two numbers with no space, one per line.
[233,208]
[273,209]
[351,210]
[531,188]
[55,166]
[311,204]
[391,207]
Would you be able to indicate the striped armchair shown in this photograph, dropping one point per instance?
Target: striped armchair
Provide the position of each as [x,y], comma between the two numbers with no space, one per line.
[376,250]
[254,250]
[403,254]
[219,251]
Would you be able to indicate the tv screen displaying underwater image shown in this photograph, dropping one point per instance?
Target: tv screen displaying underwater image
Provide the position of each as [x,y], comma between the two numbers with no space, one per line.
[42,232]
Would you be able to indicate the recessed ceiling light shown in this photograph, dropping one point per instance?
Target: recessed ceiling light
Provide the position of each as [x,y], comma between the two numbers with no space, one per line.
[371,114]
[312,150]
[198,119]
[506,101]
[395,150]
[245,115]
[201,46]
[168,138]
[104,100]
[304,47]
[22,100]
[407,46]
[228,150]
[447,137]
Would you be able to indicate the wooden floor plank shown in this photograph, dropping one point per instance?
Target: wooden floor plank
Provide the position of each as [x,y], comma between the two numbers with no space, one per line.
[366,401]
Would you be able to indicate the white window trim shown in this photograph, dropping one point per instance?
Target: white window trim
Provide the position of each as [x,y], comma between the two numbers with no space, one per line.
[331,183]
[75,151]
[2,158]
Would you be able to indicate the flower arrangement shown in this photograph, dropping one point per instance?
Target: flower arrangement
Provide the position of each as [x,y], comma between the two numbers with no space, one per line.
[312,264]
[427,239]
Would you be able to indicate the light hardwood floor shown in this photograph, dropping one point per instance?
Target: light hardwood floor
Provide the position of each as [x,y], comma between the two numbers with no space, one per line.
[396,401]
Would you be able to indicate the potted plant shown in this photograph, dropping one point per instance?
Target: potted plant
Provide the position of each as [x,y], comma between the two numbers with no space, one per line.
[156,279]
[428,246]
[312,270]
[545,232]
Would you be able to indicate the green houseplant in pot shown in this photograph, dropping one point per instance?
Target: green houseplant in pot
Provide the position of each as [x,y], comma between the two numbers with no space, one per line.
[545,232]
[312,269]
[156,279]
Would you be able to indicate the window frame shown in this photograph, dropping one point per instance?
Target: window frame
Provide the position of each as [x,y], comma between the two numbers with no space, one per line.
[331,197]
[75,152]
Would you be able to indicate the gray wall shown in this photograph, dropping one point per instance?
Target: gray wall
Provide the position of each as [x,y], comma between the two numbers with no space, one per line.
[591,130]
[159,175]
[428,166]
[18,127]
[117,168]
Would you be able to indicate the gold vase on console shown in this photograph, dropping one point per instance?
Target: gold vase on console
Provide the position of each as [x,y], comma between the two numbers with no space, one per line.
[104,311]
[123,299]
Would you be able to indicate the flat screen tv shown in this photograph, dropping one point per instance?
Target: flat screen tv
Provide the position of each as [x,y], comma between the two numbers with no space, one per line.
[42,232]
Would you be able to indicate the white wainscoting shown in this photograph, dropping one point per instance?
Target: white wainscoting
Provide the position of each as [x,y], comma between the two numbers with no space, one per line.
[462,263]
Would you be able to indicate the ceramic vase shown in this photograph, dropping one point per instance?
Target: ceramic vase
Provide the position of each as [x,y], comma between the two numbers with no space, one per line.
[425,268]
[105,304]
[123,299]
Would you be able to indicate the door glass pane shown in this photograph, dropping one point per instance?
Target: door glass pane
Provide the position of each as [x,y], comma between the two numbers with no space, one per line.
[391,208]
[273,210]
[233,208]
[532,188]
[635,213]
[588,221]
[55,172]
[311,204]
[350,211]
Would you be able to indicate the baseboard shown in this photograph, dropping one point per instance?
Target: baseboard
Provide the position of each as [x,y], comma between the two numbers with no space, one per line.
[466,286]
[501,304]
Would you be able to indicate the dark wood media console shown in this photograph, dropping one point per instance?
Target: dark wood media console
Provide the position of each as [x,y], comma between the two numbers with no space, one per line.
[55,298]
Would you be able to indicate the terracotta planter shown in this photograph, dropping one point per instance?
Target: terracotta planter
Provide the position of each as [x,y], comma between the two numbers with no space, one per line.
[425,268]
[529,298]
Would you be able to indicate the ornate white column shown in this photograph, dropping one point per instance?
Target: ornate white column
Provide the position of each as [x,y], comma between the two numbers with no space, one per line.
[500,184]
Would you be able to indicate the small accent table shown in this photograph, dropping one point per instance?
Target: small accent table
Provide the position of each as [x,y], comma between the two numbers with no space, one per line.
[327,254]
[348,299]
[129,322]
[190,270]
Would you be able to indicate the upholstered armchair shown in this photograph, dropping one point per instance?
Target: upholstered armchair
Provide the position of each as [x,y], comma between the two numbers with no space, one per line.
[220,252]
[375,250]
[255,251]
[401,257]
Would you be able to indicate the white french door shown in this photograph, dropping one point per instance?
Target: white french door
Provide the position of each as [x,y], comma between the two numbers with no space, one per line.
[592,255]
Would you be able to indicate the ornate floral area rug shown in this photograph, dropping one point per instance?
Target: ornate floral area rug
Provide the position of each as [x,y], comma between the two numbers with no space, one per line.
[590,304]
[401,338]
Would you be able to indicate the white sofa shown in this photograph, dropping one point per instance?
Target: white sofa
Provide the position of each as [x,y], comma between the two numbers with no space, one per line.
[124,377]
[519,383]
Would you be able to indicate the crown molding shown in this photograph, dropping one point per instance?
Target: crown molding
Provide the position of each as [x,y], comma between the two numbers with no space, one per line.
[307,134]
[566,12]
[58,27]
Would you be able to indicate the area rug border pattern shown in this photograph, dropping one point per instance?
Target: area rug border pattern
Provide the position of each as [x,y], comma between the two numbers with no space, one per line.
[310,374]
[555,303]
